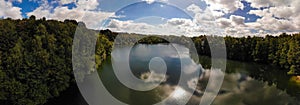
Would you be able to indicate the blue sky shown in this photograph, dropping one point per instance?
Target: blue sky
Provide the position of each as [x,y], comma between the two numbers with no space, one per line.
[234,17]
[244,12]
[143,9]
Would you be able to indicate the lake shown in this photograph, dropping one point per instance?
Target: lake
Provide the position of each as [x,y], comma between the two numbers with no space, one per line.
[244,83]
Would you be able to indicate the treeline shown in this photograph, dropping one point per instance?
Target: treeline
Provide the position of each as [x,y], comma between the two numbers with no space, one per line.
[282,51]
[36,59]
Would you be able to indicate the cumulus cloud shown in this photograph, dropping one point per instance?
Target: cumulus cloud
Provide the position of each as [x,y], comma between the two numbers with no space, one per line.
[233,21]
[85,11]
[224,23]
[268,3]
[194,8]
[281,12]
[204,20]
[129,26]
[200,15]
[277,15]
[235,26]
[8,10]
[225,5]
[273,24]
[87,4]
[217,14]
[260,13]
[180,22]
[237,20]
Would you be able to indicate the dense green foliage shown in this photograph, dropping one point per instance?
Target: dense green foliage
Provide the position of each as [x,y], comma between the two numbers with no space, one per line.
[36,55]
[282,50]
[36,59]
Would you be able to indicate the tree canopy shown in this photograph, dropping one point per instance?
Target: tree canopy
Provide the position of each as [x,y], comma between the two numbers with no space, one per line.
[36,59]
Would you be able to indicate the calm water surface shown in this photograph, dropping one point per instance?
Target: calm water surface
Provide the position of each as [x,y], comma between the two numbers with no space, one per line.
[244,83]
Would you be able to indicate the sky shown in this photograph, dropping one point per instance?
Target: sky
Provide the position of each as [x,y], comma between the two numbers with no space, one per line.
[168,17]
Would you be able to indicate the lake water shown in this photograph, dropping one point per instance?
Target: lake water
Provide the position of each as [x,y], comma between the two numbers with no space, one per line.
[244,83]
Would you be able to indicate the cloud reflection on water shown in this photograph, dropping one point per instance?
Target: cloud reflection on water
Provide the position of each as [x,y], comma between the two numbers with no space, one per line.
[233,91]
[237,89]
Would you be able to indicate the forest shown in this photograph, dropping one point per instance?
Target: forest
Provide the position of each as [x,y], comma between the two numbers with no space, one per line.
[36,55]
[36,59]
[282,51]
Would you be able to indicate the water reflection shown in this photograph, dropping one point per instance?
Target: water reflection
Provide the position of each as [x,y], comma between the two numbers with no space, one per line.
[241,86]
[244,90]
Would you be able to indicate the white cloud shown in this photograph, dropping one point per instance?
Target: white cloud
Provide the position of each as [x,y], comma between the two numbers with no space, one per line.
[85,12]
[237,20]
[259,3]
[180,22]
[253,25]
[87,4]
[277,16]
[217,14]
[130,27]
[205,20]
[224,23]
[204,17]
[8,10]
[225,5]
[273,24]
[235,26]
[281,12]
[260,13]
[233,21]
[268,3]
[142,28]
[194,8]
